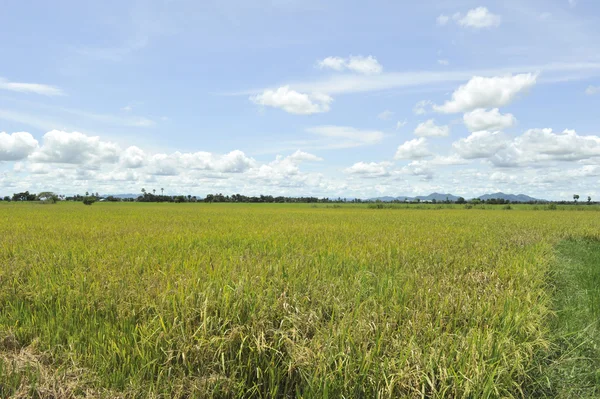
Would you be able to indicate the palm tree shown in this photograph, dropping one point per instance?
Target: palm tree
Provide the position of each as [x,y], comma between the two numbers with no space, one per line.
[575,197]
[162,191]
[154,191]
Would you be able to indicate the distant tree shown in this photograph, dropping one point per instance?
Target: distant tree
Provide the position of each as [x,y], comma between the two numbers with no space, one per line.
[143,191]
[209,198]
[189,198]
[460,200]
[589,199]
[154,191]
[575,197]
[86,193]
[89,200]
[162,191]
[6,198]
[48,196]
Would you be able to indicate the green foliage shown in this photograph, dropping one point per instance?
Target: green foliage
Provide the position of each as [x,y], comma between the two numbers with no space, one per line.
[89,200]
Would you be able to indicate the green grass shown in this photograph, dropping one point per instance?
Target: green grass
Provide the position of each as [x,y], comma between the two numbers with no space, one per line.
[239,300]
[573,365]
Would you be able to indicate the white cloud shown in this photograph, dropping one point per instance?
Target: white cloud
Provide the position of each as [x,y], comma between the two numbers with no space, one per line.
[413,149]
[133,157]
[372,169]
[401,124]
[442,20]
[359,64]
[36,88]
[335,63]
[176,163]
[74,148]
[234,162]
[481,119]
[443,62]
[301,156]
[294,102]
[481,92]
[430,129]
[385,115]
[479,18]
[572,3]
[354,83]
[16,146]
[346,136]
[535,146]
[545,145]
[127,108]
[420,107]
[591,90]
[483,144]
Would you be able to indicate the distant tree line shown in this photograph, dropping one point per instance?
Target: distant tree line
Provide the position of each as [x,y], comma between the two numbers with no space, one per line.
[90,198]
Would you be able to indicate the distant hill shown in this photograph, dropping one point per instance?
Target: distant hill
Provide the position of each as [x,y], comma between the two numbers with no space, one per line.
[438,197]
[442,197]
[430,197]
[510,197]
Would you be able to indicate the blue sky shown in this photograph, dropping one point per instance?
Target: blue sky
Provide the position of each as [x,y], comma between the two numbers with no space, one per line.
[290,97]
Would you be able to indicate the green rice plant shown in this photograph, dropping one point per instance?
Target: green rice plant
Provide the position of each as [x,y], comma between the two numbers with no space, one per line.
[277,300]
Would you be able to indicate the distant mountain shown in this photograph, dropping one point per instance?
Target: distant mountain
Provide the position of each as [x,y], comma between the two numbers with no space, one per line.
[438,197]
[433,196]
[510,197]
[442,197]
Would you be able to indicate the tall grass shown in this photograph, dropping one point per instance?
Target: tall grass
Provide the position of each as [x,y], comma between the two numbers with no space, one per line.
[225,300]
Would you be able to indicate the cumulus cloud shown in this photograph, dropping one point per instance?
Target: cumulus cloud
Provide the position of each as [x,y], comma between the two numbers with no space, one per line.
[535,146]
[479,18]
[413,149]
[36,88]
[372,169]
[443,62]
[301,156]
[476,18]
[401,124]
[481,119]
[293,102]
[483,144]
[359,64]
[430,129]
[133,157]
[75,148]
[481,92]
[16,146]
[544,144]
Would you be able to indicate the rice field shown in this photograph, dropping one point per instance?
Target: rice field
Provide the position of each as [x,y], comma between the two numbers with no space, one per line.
[139,300]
